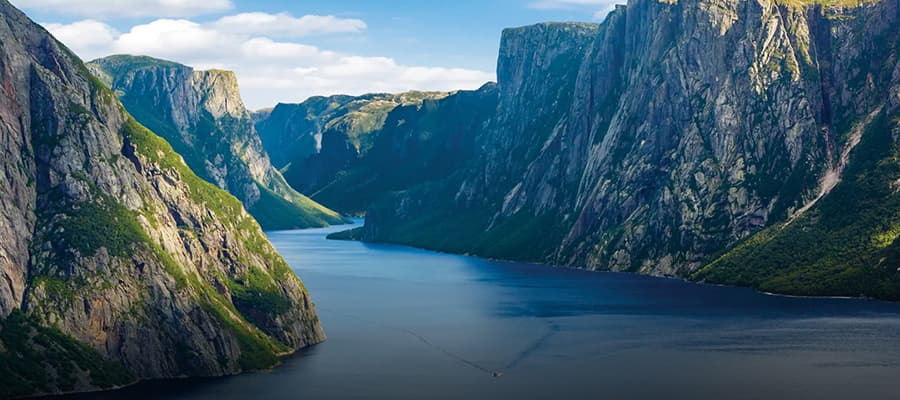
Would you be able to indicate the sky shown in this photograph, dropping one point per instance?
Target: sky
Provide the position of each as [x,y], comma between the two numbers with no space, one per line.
[286,51]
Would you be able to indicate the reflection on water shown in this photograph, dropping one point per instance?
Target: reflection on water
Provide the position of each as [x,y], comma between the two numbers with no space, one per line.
[409,324]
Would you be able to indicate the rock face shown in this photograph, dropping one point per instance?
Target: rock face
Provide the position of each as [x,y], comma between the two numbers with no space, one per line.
[674,131]
[294,131]
[202,115]
[322,139]
[111,240]
[417,143]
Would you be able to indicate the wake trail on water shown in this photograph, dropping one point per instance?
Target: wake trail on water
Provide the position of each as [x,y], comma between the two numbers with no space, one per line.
[537,344]
[422,339]
[553,329]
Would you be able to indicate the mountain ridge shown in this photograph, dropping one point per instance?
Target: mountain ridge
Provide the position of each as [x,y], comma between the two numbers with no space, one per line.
[670,135]
[317,142]
[202,115]
[119,263]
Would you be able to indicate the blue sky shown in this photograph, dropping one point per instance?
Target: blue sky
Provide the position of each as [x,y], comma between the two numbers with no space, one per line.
[286,51]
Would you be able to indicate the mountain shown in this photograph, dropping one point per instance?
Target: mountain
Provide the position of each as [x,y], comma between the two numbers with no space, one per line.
[741,142]
[201,114]
[118,263]
[294,131]
[320,140]
[417,143]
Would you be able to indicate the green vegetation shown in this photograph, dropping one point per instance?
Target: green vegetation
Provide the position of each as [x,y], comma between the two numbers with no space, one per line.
[64,282]
[275,213]
[349,234]
[260,292]
[520,237]
[103,222]
[255,291]
[362,185]
[283,208]
[258,350]
[119,65]
[847,245]
[418,143]
[349,128]
[106,223]
[35,359]
[226,207]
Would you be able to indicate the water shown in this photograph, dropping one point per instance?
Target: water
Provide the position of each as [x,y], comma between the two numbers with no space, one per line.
[410,324]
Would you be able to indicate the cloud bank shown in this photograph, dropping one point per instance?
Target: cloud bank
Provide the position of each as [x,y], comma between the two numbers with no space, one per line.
[602,7]
[127,8]
[270,67]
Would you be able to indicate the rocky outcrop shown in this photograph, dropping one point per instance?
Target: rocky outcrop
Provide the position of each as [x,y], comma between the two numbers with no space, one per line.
[112,241]
[664,136]
[202,115]
[322,139]
[294,131]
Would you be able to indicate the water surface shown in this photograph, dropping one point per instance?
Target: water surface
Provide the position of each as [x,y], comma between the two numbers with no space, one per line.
[410,324]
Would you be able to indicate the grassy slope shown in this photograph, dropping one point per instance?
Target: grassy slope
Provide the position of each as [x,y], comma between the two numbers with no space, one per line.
[258,349]
[44,360]
[417,144]
[36,359]
[460,230]
[87,226]
[521,237]
[273,211]
[847,245]
[362,120]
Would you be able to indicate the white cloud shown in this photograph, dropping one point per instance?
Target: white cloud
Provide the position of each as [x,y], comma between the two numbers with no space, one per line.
[601,8]
[127,8]
[89,37]
[269,70]
[567,4]
[171,38]
[287,26]
[290,52]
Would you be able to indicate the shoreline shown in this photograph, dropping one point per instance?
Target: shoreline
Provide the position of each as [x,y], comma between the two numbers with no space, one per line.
[499,262]
[180,379]
[567,267]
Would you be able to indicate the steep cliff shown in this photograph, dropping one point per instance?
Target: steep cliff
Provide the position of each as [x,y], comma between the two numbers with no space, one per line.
[118,262]
[202,115]
[675,131]
[417,143]
[322,139]
[294,131]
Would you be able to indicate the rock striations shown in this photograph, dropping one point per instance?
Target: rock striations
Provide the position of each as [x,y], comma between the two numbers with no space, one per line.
[201,114]
[752,142]
[117,262]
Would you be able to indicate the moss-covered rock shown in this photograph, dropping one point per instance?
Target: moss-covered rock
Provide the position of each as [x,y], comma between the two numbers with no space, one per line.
[201,114]
[38,360]
[120,263]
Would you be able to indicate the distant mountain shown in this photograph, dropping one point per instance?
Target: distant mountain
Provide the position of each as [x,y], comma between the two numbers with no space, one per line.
[731,142]
[320,140]
[416,144]
[118,263]
[202,115]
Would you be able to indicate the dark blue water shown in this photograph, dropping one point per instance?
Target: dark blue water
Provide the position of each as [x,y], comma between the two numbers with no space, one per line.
[410,324]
